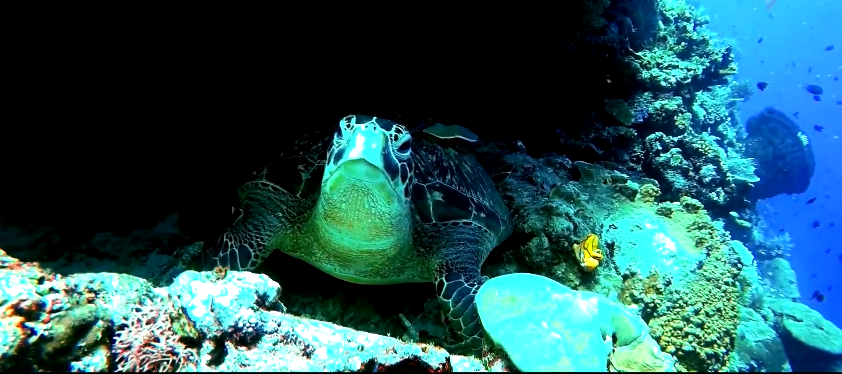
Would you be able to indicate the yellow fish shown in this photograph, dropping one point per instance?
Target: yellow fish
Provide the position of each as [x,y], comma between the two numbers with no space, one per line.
[588,252]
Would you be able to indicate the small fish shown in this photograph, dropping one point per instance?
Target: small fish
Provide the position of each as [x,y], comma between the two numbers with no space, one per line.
[818,128]
[828,48]
[781,230]
[814,89]
[826,251]
[816,224]
[795,114]
[836,78]
[829,288]
[762,86]
[809,69]
[760,40]
[812,200]
[839,102]
[817,295]
[817,98]
[832,224]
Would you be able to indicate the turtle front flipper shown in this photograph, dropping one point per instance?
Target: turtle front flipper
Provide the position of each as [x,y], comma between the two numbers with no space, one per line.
[267,209]
[458,279]
[457,287]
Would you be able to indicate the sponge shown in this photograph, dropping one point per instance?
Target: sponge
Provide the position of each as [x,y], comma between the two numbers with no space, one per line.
[545,326]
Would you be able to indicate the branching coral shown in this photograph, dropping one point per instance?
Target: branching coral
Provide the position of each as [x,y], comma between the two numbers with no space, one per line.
[148,342]
[741,169]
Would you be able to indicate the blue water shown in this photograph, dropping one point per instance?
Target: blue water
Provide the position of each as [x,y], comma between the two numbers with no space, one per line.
[795,34]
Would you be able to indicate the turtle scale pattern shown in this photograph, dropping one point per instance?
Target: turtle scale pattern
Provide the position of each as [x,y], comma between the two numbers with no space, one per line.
[457,218]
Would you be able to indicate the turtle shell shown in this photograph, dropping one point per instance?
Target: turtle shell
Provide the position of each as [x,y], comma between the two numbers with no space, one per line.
[452,187]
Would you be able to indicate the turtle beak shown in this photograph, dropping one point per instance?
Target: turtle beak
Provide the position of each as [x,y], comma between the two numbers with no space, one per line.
[366,156]
[363,153]
[367,144]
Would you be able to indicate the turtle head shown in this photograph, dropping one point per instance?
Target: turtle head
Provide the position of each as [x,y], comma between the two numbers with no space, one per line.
[370,150]
[367,181]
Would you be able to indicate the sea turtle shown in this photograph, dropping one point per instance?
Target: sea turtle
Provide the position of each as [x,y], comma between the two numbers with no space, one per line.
[391,208]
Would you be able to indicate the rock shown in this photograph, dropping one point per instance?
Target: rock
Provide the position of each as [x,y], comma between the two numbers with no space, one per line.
[215,304]
[812,343]
[780,277]
[758,347]
[646,240]
[545,326]
[642,355]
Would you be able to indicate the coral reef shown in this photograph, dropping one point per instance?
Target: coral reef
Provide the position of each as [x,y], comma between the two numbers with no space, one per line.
[679,269]
[545,326]
[670,260]
[685,59]
[99,322]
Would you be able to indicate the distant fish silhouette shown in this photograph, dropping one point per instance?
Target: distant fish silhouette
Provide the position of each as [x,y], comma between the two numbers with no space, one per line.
[812,200]
[817,295]
[814,89]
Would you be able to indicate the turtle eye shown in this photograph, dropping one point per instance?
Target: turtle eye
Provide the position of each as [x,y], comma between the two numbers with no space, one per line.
[344,126]
[404,148]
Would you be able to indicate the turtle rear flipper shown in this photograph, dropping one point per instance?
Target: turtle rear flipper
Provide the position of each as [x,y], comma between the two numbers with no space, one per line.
[267,209]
